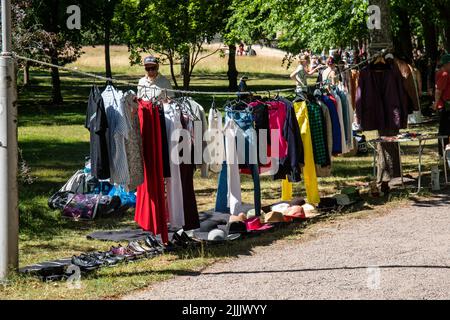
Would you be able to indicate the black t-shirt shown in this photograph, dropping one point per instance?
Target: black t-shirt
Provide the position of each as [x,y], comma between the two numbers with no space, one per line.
[97,124]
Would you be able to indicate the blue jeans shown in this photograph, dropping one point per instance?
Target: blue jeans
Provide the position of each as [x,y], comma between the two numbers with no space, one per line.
[245,122]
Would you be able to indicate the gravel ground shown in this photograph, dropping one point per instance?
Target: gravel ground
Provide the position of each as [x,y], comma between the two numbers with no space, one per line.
[404,254]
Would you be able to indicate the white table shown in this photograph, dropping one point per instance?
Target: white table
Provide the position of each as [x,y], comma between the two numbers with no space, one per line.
[422,139]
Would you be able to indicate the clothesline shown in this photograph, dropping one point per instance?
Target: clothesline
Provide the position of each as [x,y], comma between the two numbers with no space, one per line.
[137,85]
[188,92]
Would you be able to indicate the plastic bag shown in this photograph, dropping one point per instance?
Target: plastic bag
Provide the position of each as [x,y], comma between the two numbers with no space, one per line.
[126,198]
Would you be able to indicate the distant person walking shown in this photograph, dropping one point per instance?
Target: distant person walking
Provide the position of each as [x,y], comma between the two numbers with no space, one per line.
[442,96]
[241,49]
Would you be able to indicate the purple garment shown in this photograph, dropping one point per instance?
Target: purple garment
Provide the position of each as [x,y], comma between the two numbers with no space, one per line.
[335,124]
[380,101]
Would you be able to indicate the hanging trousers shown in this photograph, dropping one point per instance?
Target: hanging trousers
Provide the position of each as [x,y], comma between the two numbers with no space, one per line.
[191,217]
[151,212]
[228,198]
[309,170]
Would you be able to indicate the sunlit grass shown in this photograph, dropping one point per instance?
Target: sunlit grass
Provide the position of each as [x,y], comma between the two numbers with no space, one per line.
[54,143]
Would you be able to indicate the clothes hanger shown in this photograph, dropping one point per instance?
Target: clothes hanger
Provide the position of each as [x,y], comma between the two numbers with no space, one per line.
[213,103]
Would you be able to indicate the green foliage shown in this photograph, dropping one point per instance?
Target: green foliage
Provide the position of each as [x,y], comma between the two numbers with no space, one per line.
[299,24]
[172,28]
[100,14]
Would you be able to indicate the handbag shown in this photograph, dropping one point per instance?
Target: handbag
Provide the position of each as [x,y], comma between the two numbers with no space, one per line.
[82,207]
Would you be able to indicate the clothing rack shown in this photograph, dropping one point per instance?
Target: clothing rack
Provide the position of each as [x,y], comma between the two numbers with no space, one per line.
[189,92]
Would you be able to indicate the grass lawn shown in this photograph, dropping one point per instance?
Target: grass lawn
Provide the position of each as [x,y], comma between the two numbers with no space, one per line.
[54,143]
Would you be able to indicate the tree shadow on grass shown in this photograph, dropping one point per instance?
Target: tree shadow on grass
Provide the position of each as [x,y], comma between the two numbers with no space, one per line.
[441,199]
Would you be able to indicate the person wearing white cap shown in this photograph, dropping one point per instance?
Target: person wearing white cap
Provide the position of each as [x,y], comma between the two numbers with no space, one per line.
[154,83]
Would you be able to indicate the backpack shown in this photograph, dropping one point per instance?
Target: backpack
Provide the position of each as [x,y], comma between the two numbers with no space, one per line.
[77,183]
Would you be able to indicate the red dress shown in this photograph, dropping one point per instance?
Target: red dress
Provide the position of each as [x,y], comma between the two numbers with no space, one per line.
[151,211]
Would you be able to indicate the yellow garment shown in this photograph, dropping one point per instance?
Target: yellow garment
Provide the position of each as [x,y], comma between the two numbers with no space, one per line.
[286,190]
[309,170]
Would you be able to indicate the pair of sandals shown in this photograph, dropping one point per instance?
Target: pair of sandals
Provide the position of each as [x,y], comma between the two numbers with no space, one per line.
[135,250]
[180,240]
[143,249]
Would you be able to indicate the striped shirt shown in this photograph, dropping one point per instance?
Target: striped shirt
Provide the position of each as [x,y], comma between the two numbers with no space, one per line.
[118,132]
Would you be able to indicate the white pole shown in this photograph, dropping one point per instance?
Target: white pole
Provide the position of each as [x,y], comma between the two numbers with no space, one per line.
[9,223]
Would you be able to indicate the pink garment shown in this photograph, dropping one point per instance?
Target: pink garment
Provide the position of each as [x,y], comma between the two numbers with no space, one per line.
[277,118]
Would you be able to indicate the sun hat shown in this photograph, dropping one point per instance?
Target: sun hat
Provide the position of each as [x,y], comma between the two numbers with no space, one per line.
[216,235]
[274,217]
[240,217]
[151,60]
[254,224]
[280,207]
[308,208]
[444,59]
[295,212]
[236,227]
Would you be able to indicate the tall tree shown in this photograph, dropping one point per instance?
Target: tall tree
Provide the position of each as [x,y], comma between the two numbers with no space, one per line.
[443,9]
[102,27]
[403,33]
[173,29]
[245,23]
[59,45]
[27,37]
[300,25]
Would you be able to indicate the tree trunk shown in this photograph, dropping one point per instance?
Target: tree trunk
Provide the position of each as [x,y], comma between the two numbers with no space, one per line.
[172,71]
[54,27]
[232,70]
[431,47]
[26,74]
[186,71]
[108,72]
[388,164]
[403,40]
[381,38]
[444,16]
[57,98]
[447,38]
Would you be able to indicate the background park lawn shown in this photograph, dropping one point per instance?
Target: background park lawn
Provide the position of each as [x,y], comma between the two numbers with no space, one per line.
[54,144]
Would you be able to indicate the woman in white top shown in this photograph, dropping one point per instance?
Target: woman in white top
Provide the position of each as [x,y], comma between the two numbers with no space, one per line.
[154,83]
[303,70]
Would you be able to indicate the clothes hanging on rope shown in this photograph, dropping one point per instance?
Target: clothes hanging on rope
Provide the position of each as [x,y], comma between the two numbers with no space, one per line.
[380,98]
[151,212]
[97,124]
[133,143]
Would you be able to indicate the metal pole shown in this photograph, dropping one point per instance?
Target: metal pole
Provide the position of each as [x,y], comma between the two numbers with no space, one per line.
[9,222]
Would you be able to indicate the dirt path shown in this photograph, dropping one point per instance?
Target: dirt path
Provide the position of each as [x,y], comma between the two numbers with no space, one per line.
[402,255]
